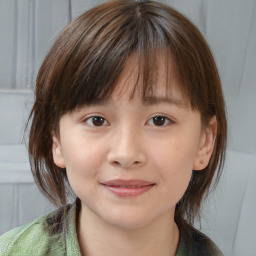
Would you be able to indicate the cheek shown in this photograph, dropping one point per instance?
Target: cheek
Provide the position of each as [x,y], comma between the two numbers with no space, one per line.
[177,171]
[82,167]
[186,146]
[82,159]
[176,156]
[176,175]
[174,161]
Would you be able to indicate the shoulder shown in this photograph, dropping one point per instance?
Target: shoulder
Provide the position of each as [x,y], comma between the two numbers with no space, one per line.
[36,238]
[21,240]
[203,245]
[197,243]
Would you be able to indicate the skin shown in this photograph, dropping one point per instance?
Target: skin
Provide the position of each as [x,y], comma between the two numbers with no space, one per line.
[129,145]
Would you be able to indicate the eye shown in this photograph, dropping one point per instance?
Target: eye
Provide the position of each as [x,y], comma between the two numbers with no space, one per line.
[96,121]
[159,121]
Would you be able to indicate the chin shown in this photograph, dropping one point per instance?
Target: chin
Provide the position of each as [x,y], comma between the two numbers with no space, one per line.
[126,221]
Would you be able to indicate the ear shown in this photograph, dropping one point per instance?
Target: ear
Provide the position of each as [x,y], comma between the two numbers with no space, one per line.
[206,145]
[57,152]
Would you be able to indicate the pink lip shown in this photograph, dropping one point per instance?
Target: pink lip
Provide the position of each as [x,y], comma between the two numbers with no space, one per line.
[127,188]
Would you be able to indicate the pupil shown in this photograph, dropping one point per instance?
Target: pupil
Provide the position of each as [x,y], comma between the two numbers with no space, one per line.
[98,121]
[159,120]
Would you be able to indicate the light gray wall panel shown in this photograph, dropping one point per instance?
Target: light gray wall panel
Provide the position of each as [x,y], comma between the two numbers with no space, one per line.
[196,11]
[79,6]
[243,114]
[14,111]
[50,18]
[29,197]
[7,207]
[28,29]
[8,35]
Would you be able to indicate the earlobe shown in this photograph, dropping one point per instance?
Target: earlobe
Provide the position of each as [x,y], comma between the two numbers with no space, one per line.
[57,152]
[206,145]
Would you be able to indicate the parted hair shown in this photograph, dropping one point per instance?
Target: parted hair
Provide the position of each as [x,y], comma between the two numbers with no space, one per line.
[84,64]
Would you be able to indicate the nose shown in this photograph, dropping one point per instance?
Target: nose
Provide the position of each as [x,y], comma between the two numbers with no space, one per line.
[127,149]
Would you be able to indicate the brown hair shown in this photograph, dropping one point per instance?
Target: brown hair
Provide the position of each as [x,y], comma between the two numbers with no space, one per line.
[84,64]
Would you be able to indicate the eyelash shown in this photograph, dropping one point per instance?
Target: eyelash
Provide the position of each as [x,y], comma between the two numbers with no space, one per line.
[167,121]
[90,119]
[162,118]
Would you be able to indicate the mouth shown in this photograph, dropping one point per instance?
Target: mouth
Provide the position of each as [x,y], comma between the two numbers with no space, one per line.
[127,188]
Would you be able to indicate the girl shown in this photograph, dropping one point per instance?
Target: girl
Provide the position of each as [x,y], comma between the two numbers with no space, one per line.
[129,119]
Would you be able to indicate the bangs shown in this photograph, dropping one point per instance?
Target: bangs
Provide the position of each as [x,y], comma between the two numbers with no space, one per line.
[145,71]
[96,58]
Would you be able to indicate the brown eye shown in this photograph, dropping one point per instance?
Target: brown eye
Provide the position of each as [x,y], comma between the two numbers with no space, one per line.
[96,121]
[159,121]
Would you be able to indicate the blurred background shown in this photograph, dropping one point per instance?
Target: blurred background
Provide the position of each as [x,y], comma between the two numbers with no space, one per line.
[28,29]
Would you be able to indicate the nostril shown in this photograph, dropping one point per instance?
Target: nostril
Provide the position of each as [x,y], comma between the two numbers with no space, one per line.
[115,163]
[125,164]
[126,159]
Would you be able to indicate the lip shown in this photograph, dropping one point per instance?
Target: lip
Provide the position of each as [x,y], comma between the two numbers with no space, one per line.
[127,188]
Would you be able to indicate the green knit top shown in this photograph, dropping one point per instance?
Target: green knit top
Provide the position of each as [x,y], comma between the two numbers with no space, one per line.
[55,235]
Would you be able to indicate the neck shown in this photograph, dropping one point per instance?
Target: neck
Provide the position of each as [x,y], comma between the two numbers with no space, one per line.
[98,238]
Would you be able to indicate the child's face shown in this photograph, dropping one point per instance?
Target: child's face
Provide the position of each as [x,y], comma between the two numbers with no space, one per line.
[131,161]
